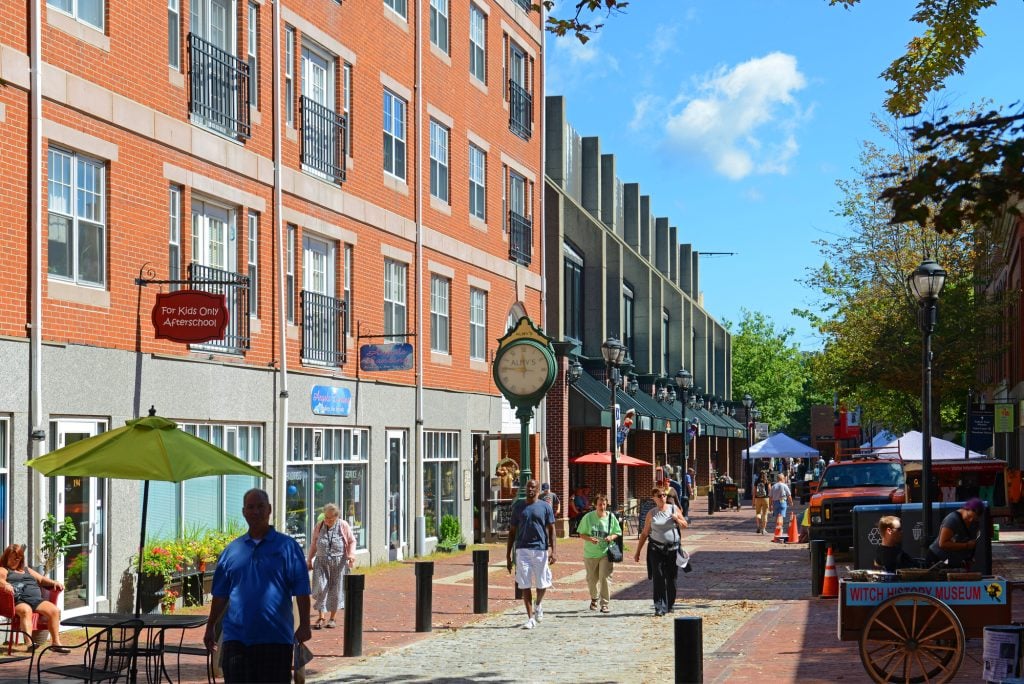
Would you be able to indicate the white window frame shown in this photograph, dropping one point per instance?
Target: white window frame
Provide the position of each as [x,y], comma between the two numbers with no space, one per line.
[290,274]
[441,447]
[477,43]
[289,75]
[73,9]
[399,7]
[253,263]
[440,173]
[477,182]
[346,73]
[5,479]
[174,235]
[318,256]
[395,311]
[440,314]
[394,130]
[252,55]
[71,190]
[477,324]
[439,34]
[204,237]
[174,34]
[348,289]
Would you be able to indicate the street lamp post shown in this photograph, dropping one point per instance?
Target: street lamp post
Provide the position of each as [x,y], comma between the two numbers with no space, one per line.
[926,283]
[684,381]
[748,402]
[614,352]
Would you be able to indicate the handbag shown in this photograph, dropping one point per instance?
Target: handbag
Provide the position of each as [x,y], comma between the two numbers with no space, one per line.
[683,560]
[613,552]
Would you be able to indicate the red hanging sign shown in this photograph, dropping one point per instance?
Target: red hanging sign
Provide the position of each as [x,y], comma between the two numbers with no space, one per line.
[190,316]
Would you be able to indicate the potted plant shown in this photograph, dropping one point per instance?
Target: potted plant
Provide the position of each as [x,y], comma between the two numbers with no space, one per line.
[450,534]
[55,541]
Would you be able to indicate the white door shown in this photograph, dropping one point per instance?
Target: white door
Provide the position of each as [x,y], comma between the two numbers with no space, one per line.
[83,499]
[318,266]
[214,239]
[395,467]
[211,21]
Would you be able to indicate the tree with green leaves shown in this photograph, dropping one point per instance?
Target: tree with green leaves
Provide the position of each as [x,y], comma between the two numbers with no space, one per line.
[872,354]
[768,366]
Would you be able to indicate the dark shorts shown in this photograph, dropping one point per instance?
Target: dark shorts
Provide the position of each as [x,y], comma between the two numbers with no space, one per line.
[259,663]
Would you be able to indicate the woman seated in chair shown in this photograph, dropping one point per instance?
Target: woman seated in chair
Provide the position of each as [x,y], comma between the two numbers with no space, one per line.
[25,583]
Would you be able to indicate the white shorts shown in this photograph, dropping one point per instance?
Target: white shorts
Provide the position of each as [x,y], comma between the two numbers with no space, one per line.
[532,568]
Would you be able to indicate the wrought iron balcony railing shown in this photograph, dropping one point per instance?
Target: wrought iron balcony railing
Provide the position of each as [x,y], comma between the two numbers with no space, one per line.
[520,110]
[235,288]
[520,238]
[323,140]
[323,329]
[219,88]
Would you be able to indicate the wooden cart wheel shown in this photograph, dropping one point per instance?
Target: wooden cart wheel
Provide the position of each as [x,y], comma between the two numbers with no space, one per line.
[912,638]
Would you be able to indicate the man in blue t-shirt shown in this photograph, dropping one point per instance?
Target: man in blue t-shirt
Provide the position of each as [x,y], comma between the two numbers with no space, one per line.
[257,575]
[532,531]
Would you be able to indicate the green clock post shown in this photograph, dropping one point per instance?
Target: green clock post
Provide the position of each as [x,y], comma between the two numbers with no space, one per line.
[524,370]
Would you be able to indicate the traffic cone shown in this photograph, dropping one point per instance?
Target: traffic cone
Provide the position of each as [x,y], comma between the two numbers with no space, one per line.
[794,531]
[780,536]
[830,587]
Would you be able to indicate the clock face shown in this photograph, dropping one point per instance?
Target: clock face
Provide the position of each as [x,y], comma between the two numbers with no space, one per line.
[523,370]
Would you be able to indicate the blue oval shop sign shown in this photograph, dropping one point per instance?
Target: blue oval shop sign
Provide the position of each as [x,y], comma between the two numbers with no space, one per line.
[330,401]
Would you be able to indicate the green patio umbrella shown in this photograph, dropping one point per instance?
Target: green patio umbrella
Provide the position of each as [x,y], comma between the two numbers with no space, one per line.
[150,448]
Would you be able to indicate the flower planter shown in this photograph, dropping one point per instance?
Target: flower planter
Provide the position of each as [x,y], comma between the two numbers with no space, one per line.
[152,591]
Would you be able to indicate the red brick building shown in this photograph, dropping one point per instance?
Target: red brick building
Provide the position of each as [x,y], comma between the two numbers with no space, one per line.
[345,173]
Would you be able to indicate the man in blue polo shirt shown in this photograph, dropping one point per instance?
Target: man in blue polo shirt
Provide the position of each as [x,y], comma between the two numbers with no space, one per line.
[257,575]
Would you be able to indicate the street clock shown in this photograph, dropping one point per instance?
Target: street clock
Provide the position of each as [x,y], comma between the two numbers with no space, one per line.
[524,366]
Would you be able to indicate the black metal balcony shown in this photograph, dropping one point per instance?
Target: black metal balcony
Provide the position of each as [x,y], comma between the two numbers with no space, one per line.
[520,110]
[323,140]
[323,328]
[235,288]
[219,85]
[520,238]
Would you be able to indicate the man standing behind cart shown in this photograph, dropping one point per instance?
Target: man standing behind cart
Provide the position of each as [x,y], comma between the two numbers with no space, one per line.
[889,555]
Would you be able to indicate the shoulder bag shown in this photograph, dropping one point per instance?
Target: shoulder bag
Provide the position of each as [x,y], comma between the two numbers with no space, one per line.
[613,551]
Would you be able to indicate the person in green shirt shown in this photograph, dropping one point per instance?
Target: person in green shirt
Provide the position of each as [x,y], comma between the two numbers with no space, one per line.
[599,529]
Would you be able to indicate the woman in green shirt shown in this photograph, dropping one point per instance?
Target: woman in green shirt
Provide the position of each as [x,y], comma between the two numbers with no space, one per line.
[599,530]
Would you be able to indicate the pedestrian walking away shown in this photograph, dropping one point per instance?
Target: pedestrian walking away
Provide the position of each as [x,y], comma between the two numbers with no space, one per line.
[551,498]
[781,496]
[599,529]
[257,575]
[664,528]
[532,535]
[331,556]
[761,501]
[689,493]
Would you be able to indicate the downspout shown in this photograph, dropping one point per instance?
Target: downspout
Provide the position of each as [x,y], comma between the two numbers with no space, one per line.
[417,459]
[37,447]
[542,419]
[279,474]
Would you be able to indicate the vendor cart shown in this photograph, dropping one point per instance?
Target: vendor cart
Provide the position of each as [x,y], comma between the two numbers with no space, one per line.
[914,631]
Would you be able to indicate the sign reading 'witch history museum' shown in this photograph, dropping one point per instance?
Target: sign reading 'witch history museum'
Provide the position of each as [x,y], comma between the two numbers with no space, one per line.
[190,316]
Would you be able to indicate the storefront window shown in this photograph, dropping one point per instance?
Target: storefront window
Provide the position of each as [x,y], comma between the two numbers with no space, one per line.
[326,465]
[440,478]
[3,482]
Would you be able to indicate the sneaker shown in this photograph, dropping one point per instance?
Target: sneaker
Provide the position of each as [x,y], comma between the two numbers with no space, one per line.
[529,624]
[538,612]
[331,624]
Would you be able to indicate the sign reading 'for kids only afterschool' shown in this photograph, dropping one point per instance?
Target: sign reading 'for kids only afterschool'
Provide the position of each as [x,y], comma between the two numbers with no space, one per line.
[190,316]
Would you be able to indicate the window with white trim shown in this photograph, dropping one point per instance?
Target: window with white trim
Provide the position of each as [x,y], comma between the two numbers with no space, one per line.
[477,324]
[477,182]
[398,6]
[86,11]
[289,75]
[174,236]
[394,135]
[173,34]
[394,299]
[327,465]
[440,478]
[252,55]
[440,316]
[77,233]
[477,43]
[253,255]
[439,136]
[212,502]
[346,72]
[5,523]
[439,24]
[290,274]
[348,288]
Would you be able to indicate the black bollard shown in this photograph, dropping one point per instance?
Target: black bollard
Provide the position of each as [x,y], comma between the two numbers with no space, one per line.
[819,548]
[689,636]
[354,585]
[711,500]
[424,595]
[481,557]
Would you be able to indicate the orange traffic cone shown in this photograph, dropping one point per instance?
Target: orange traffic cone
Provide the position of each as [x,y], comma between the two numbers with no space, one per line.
[794,531]
[830,587]
[780,536]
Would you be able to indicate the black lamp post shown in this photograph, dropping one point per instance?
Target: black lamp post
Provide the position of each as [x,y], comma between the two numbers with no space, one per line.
[614,352]
[684,381]
[748,403]
[926,283]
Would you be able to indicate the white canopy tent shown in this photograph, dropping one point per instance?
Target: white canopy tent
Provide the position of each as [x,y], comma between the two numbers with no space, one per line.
[780,445]
[942,450]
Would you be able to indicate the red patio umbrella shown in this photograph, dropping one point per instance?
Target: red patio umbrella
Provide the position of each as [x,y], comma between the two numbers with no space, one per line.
[605,458]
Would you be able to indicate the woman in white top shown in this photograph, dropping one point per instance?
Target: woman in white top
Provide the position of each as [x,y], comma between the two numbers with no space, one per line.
[331,555]
[664,527]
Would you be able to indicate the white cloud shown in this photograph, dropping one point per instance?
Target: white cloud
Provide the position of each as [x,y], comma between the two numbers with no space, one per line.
[643,105]
[663,41]
[743,119]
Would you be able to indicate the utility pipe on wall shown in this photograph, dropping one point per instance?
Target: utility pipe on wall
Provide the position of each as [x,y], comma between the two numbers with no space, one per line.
[280,472]
[37,447]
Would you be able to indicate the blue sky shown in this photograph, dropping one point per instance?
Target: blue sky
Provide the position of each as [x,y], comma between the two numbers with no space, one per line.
[738,116]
